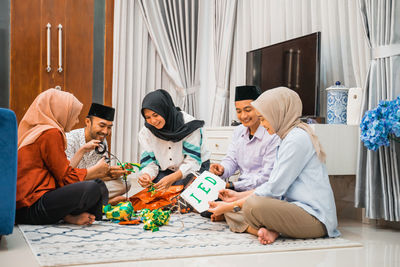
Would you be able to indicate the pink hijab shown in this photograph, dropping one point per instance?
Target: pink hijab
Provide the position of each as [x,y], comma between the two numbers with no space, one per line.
[282,108]
[51,109]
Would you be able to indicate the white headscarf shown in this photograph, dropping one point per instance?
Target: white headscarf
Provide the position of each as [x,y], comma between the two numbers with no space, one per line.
[282,108]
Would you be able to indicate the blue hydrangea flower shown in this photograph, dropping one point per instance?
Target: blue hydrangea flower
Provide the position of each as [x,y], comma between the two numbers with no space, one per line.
[381,124]
[396,129]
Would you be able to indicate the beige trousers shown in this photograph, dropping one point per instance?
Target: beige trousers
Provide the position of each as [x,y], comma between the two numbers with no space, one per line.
[281,216]
[116,187]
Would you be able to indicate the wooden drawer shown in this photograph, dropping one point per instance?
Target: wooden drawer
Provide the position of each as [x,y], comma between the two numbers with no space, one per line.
[218,145]
[216,158]
[217,140]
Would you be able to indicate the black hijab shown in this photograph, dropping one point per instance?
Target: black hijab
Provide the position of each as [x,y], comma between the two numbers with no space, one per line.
[175,128]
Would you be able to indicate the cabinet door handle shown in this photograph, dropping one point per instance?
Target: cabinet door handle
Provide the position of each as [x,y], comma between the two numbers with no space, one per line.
[48,27]
[298,70]
[290,68]
[60,69]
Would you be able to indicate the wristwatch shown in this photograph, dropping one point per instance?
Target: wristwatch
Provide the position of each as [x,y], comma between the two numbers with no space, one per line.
[230,185]
[236,208]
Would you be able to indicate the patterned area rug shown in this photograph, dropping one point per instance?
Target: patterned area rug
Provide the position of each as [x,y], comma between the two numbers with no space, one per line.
[186,236]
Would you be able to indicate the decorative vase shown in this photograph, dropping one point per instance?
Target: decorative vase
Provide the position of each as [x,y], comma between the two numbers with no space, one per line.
[337,104]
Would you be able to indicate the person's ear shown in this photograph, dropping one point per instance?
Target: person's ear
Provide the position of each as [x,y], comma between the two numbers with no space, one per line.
[87,121]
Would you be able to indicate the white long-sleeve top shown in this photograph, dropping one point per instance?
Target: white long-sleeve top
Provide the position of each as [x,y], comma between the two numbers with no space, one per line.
[186,155]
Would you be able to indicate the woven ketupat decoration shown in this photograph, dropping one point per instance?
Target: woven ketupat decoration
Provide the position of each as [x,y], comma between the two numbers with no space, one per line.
[152,189]
[128,166]
[153,219]
[123,211]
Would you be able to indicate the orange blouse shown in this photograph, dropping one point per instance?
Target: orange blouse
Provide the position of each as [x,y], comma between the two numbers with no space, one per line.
[43,167]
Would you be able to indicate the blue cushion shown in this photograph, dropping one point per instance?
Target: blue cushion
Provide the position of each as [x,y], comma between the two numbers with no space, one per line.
[8,173]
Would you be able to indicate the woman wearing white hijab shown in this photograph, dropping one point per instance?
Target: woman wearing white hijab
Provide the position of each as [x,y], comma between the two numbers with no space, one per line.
[297,201]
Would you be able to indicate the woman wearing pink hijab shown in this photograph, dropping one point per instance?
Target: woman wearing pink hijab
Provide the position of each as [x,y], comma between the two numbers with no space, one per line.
[297,201]
[48,188]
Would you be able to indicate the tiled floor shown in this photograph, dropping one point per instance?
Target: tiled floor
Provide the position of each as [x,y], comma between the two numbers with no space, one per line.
[381,247]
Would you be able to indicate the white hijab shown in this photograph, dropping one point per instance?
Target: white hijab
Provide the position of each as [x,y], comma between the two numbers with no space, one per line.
[282,108]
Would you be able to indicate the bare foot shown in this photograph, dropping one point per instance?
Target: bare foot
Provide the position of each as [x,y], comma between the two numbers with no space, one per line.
[267,236]
[217,218]
[81,219]
[115,200]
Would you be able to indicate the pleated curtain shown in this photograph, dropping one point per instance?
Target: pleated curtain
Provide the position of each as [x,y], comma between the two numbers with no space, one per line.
[137,70]
[378,179]
[140,65]
[224,26]
[173,27]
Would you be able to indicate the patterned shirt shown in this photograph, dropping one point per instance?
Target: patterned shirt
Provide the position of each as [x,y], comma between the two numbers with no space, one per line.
[76,139]
[254,157]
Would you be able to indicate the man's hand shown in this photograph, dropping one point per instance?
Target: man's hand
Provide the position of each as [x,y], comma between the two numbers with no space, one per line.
[228,195]
[89,146]
[219,207]
[217,169]
[144,180]
[117,171]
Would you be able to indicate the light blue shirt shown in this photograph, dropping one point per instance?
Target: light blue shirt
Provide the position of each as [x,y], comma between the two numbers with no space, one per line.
[253,158]
[299,177]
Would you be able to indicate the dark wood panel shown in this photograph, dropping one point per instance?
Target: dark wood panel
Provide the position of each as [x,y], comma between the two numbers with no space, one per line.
[25,65]
[29,51]
[108,57]
[78,52]
[53,13]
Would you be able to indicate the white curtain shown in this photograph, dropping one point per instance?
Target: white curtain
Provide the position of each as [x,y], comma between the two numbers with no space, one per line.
[173,27]
[224,25]
[137,70]
[378,176]
[344,51]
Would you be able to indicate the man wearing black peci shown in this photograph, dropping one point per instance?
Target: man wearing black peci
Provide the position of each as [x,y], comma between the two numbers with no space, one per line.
[83,142]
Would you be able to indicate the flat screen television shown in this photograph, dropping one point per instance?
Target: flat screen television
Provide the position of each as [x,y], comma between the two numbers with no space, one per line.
[293,63]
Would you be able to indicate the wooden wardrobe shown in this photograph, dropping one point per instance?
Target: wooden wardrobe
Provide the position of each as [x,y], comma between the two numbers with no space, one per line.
[53,46]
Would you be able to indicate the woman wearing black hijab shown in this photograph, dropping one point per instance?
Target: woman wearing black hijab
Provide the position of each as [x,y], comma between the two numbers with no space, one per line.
[171,142]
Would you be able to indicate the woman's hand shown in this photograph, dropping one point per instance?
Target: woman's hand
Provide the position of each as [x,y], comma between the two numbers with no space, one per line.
[228,195]
[144,180]
[89,146]
[102,167]
[164,183]
[100,170]
[220,207]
